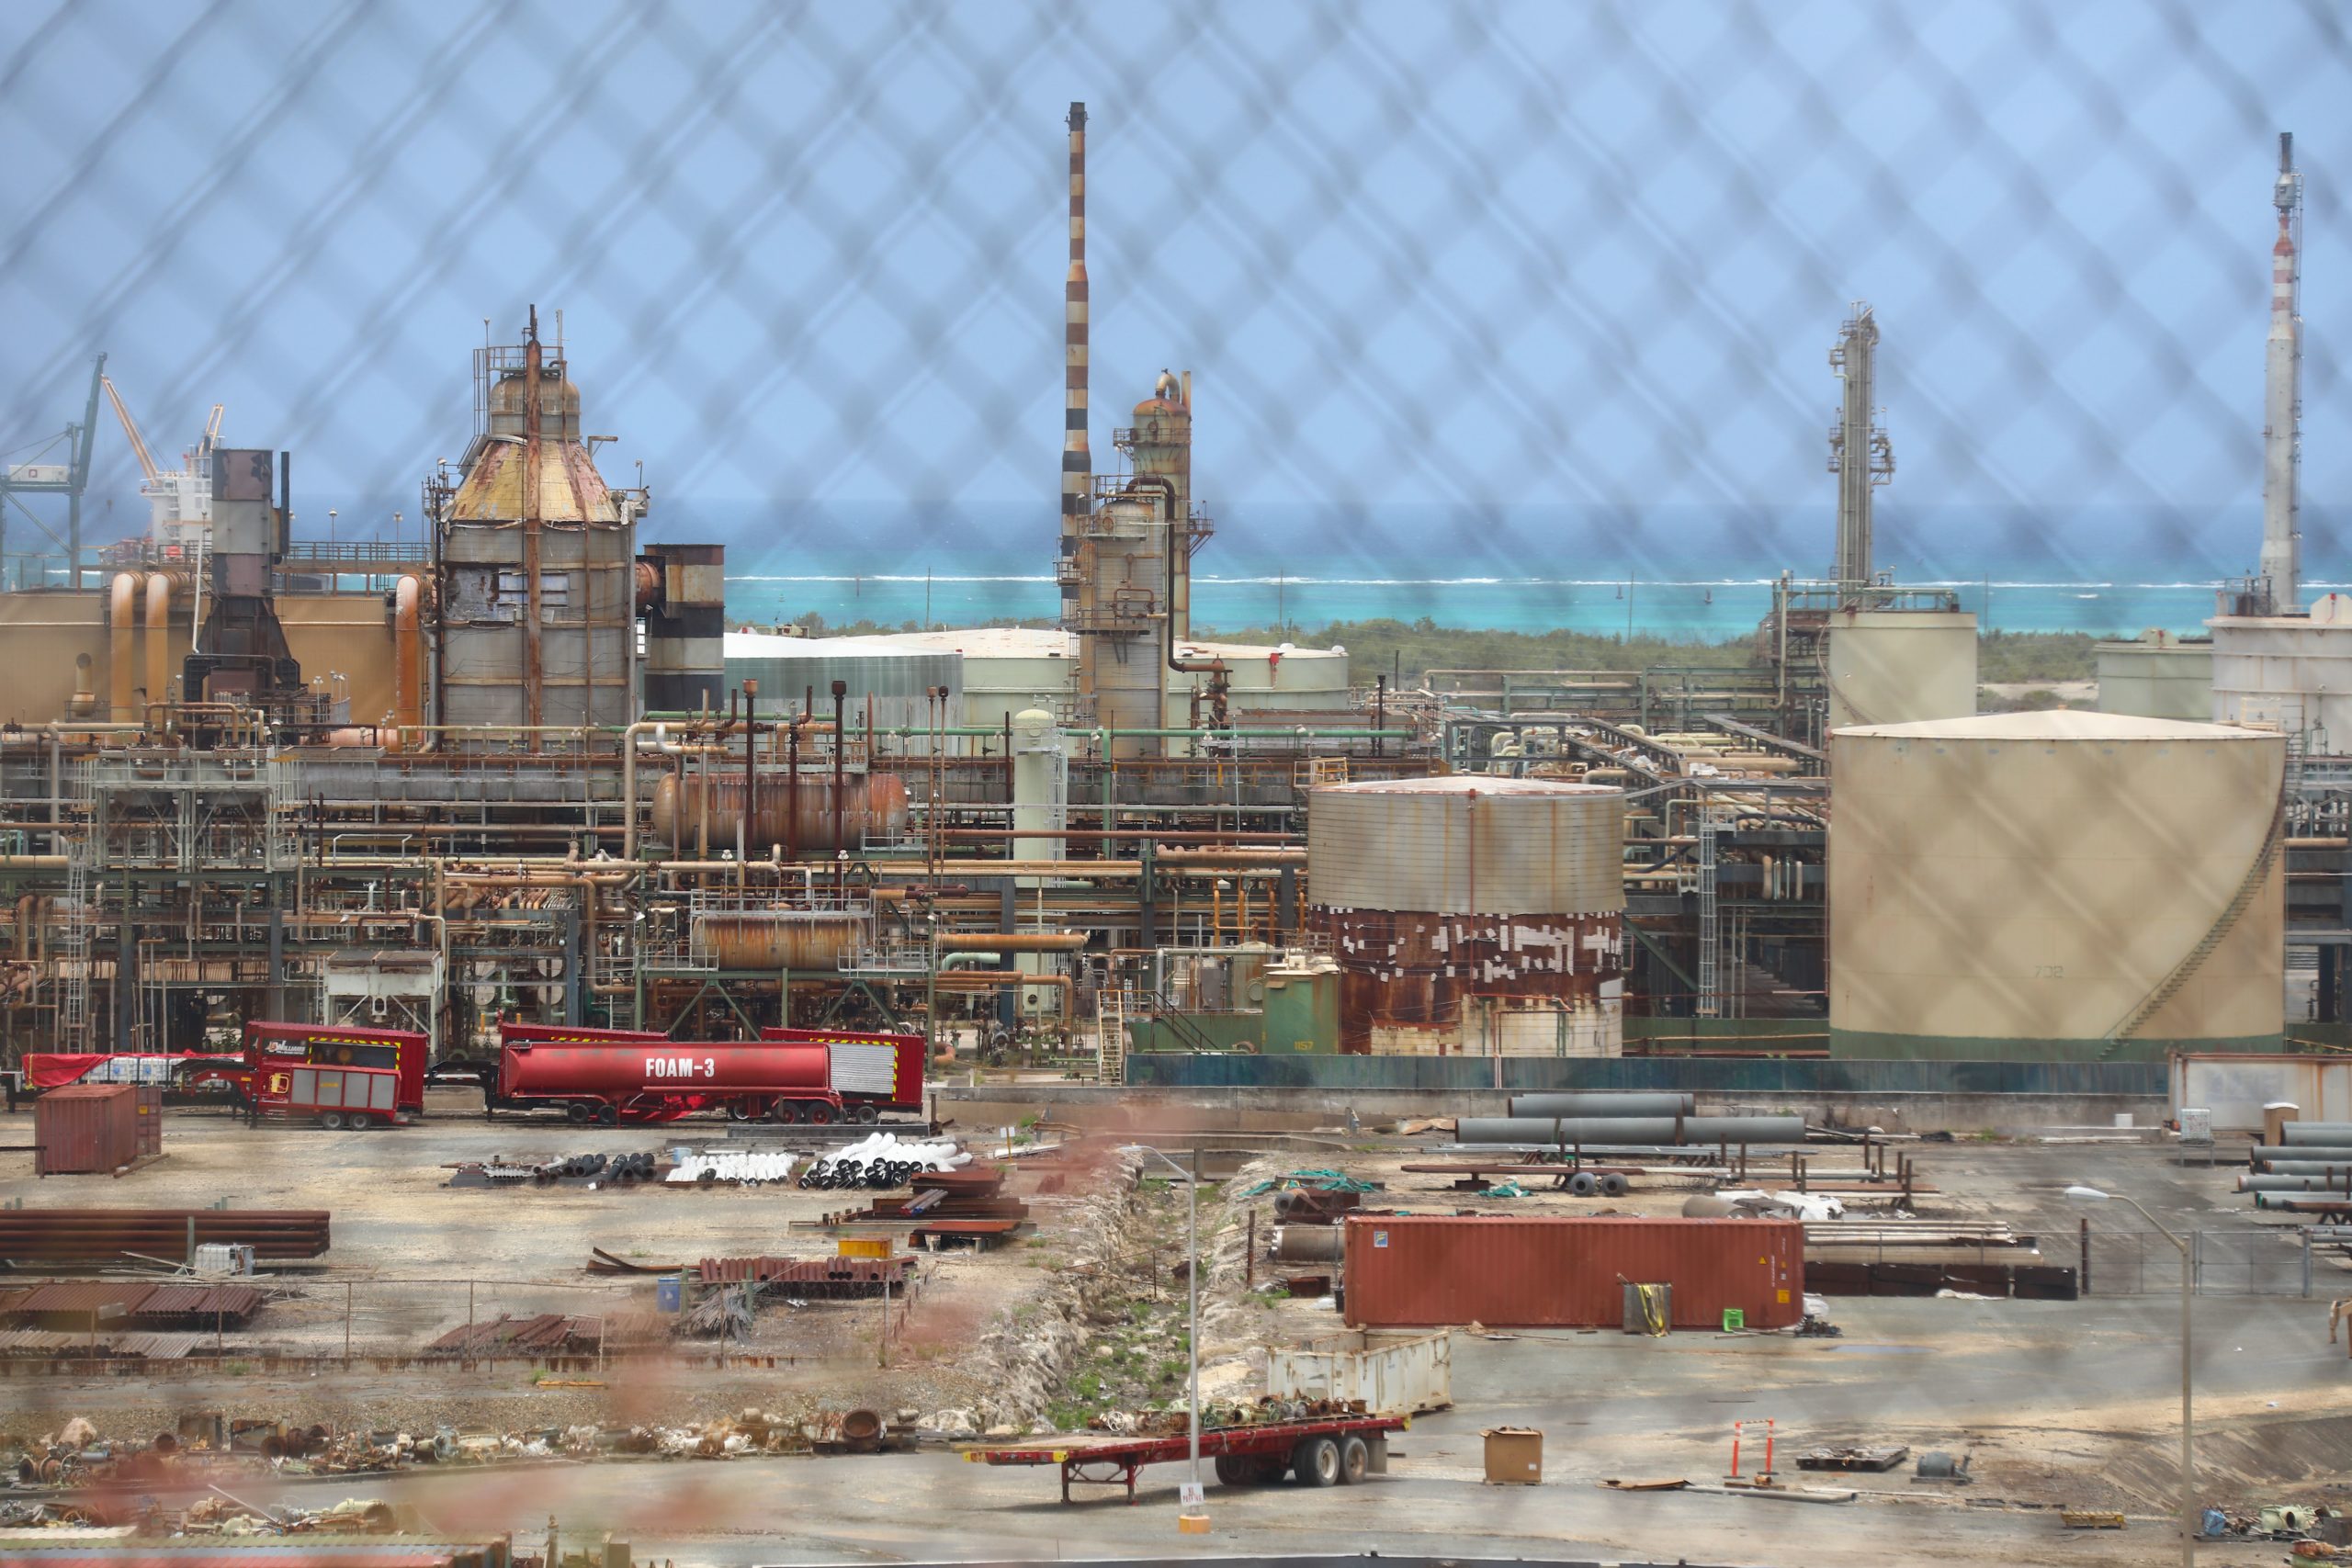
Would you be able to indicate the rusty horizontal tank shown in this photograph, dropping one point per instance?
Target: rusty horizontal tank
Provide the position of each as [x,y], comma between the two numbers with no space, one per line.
[798,815]
[772,940]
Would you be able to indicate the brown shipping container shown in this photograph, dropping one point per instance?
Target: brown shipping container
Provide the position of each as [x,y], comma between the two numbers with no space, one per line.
[1431,1270]
[149,1105]
[81,1128]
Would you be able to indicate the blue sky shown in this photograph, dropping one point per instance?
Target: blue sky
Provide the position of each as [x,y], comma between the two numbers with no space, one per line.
[1451,278]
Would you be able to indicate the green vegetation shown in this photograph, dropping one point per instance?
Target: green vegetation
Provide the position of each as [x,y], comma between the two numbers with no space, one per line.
[2007,658]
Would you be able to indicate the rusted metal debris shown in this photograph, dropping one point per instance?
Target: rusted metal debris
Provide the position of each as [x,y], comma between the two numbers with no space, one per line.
[1862,1456]
[811,1277]
[548,1333]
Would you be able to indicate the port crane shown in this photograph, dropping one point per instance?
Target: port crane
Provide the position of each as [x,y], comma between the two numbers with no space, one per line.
[41,472]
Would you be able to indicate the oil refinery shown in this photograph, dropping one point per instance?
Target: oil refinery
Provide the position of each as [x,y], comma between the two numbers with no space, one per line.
[1666,992]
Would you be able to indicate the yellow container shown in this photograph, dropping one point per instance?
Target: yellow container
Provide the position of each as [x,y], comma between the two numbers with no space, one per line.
[863,1246]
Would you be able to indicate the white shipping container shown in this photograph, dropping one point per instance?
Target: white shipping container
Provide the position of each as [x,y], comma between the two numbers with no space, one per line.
[1391,1376]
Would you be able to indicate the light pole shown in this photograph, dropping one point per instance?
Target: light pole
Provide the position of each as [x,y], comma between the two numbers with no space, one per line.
[1192,1306]
[2188,1457]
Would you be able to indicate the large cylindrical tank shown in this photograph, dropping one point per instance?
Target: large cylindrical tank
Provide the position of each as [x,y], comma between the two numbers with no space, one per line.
[771,941]
[1896,666]
[2055,886]
[685,629]
[799,816]
[2155,675]
[524,1071]
[1437,893]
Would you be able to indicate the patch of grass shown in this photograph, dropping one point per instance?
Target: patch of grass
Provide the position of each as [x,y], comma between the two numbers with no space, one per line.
[1172,1370]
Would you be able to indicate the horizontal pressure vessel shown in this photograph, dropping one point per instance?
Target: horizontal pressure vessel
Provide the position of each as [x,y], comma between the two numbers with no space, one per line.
[524,1071]
[1604,1103]
[2335,1133]
[1628,1130]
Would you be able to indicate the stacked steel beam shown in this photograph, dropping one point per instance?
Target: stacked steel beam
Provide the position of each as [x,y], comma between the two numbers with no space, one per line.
[77,1235]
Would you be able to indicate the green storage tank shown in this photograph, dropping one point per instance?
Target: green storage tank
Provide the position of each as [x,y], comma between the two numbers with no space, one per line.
[1302,1006]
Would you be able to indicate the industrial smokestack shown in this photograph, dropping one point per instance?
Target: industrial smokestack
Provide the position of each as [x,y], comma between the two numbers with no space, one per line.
[2282,544]
[1078,461]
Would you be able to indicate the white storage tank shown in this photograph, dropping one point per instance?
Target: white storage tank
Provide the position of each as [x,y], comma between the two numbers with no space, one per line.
[1472,913]
[2156,675]
[2043,886]
[1899,666]
[2292,673]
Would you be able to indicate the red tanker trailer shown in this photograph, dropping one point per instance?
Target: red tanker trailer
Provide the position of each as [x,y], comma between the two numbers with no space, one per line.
[830,1075]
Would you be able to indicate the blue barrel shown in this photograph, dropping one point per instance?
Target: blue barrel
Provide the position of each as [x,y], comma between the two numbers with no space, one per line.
[669,1293]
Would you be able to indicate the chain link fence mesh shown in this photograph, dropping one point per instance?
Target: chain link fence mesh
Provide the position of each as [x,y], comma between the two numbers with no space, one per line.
[1508,291]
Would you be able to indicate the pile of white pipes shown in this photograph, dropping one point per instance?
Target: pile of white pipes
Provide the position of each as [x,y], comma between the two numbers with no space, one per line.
[743,1166]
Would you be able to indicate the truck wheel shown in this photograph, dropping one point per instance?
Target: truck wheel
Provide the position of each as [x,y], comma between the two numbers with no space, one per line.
[608,1116]
[786,1112]
[1584,1184]
[1355,1460]
[356,1122]
[1236,1470]
[867,1113]
[820,1115]
[1614,1186]
[330,1120]
[1317,1460]
[743,1110]
[578,1113]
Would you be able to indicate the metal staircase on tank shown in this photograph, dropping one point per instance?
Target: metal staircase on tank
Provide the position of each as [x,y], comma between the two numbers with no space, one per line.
[1110,1034]
[2256,877]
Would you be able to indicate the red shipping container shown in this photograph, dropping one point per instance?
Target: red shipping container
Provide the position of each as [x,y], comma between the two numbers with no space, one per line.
[1567,1271]
[147,1102]
[84,1128]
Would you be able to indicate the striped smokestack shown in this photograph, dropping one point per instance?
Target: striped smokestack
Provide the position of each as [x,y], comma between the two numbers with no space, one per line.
[1078,462]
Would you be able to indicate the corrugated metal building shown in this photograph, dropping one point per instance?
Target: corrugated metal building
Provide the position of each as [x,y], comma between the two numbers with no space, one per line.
[894,678]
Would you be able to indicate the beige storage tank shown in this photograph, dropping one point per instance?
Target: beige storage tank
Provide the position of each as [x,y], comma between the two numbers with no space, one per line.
[1440,892]
[1900,666]
[2156,675]
[2043,886]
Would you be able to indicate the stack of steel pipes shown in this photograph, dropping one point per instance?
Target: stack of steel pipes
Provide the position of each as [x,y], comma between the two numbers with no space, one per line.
[1622,1119]
[105,1236]
[2309,1171]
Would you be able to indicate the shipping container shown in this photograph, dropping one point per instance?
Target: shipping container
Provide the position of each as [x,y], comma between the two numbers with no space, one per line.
[147,1113]
[83,1128]
[1566,1272]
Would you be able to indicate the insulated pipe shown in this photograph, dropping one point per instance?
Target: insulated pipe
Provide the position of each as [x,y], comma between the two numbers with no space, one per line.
[159,636]
[1178,859]
[1614,1130]
[408,658]
[1603,1103]
[1011,941]
[1309,1244]
[2335,1169]
[122,616]
[2326,1154]
[2335,1134]
[2340,1182]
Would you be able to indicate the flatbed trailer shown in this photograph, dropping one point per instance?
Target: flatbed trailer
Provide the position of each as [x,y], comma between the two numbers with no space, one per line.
[1324,1450]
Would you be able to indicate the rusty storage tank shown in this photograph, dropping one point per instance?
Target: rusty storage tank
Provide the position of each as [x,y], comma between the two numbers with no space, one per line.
[84,1128]
[795,814]
[1472,914]
[530,504]
[769,941]
[1566,1271]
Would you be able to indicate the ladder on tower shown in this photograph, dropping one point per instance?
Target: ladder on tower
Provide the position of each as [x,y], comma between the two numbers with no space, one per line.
[73,1003]
[1111,1034]
[1708,1001]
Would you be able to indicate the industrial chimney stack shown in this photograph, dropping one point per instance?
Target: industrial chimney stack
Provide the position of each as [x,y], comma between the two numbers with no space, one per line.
[2282,545]
[1859,454]
[1078,462]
